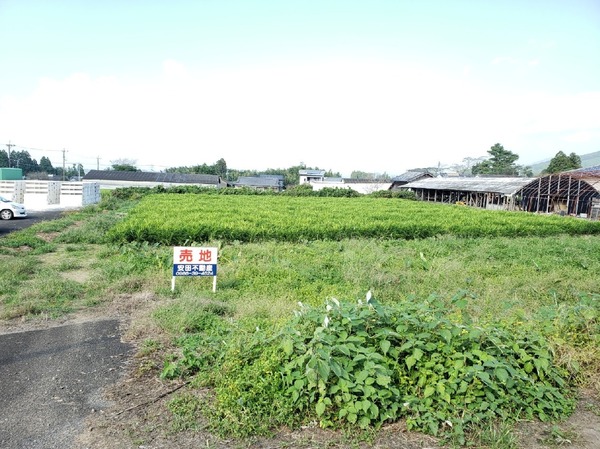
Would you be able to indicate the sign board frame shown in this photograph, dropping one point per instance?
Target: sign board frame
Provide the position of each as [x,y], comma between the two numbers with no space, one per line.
[194,261]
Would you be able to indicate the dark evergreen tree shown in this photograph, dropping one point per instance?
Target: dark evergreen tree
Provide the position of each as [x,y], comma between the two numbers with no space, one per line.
[46,165]
[561,162]
[501,162]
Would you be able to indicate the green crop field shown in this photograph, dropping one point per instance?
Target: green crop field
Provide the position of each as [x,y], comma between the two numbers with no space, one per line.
[175,219]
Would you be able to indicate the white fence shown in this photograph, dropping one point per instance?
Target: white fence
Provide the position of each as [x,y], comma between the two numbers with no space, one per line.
[48,193]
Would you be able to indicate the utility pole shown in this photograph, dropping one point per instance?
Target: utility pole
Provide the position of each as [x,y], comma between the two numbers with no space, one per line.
[98,163]
[9,145]
[64,161]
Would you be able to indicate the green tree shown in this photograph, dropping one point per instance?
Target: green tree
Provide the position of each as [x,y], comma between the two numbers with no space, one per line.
[561,162]
[76,171]
[3,158]
[123,165]
[220,168]
[501,162]
[22,159]
[46,165]
[575,160]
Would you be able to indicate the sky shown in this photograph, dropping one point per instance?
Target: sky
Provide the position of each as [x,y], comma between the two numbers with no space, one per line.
[379,86]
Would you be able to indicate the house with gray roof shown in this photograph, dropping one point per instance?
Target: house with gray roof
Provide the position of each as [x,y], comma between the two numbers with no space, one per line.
[308,176]
[111,179]
[409,176]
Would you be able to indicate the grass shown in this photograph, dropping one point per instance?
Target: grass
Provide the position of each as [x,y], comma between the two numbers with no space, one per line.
[548,282]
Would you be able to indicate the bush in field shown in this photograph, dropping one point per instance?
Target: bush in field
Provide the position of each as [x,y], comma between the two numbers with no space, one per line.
[333,192]
[365,364]
[338,192]
[403,194]
[299,190]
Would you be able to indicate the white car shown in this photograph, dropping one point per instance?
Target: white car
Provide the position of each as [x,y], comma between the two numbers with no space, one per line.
[9,209]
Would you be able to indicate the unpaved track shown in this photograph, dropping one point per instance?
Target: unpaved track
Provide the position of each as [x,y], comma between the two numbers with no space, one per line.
[52,379]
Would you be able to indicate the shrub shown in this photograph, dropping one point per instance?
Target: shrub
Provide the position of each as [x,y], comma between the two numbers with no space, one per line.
[364,364]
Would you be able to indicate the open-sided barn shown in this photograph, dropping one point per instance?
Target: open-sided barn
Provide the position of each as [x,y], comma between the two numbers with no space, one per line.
[574,192]
[488,193]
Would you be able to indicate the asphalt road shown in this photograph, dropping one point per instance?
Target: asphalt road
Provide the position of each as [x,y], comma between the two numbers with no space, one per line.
[52,379]
[15,224]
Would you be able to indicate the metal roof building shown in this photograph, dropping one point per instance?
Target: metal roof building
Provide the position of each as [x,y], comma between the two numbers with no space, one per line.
[488,193]
[262,182]
[115,178]
[409,176]
[574,192]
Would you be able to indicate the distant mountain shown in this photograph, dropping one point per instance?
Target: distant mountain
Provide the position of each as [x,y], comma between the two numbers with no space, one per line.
[587,160]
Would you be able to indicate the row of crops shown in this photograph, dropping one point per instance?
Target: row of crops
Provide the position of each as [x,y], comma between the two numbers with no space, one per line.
[174,219]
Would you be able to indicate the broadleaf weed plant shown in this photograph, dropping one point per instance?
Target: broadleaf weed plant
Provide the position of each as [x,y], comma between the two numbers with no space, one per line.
[360,365]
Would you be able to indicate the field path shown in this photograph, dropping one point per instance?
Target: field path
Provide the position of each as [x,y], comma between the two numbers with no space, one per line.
[52,379]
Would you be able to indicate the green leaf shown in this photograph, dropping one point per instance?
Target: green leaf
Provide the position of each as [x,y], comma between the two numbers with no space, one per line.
[485,377]
[417,354]
[361,376]
[383,380]
[320,408]
[446,335]
[323,369]
[374,411]
[337,368]
[410,361]
[428,391]
[433,427]
[501,374]
[288,346]
[344,349]
[385,346]
[364,422]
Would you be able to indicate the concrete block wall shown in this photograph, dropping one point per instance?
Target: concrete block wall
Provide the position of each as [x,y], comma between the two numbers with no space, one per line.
[91,193]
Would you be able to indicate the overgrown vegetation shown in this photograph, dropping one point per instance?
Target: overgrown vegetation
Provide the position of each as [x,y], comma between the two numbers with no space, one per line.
[515,317]
[171,219]
[366,364]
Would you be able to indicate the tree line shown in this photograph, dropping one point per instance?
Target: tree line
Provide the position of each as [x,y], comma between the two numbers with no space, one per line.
[290,175]
[499,162]
[33,169]
[503,162]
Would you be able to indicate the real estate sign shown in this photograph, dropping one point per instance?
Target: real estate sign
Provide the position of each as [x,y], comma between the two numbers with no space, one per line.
[194,261]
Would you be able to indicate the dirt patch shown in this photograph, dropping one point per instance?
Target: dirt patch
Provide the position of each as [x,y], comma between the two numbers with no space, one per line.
[580,431]
[47,236]
[80,276]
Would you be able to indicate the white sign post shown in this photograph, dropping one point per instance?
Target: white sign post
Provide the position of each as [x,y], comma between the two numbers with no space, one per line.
[194,261]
